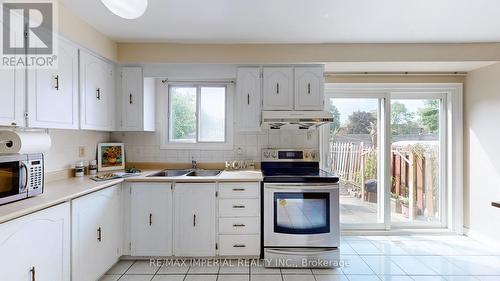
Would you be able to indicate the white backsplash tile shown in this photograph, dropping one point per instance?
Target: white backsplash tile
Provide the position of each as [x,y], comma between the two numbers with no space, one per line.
[145,147]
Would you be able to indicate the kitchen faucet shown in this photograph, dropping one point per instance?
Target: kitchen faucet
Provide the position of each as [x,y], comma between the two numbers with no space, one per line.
[193,163]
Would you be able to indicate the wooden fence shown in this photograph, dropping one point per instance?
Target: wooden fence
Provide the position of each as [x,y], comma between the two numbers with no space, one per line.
[414,172]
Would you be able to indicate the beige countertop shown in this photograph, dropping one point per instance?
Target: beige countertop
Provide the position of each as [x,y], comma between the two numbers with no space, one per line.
[61,191]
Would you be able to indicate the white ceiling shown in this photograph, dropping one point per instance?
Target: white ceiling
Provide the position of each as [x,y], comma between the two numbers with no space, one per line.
[300,21]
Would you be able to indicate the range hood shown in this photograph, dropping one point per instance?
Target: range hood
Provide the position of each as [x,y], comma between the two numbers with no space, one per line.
[291,120]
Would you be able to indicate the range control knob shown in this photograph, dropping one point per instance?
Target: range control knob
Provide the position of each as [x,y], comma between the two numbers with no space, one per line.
[267,154]
[275,155]
[308,154]
[313,155]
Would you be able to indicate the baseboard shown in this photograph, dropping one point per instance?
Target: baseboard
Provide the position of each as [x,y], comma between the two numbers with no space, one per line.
[482,238]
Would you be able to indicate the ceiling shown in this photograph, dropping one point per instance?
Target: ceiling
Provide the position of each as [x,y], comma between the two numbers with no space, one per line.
[300,21]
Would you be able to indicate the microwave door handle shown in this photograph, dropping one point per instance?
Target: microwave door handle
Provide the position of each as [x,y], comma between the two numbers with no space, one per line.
[25,183]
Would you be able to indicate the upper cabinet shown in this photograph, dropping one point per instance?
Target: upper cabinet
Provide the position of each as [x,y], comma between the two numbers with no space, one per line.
[293,88]
[309,88]
[97,93]
[137,110]
[12,103]
[53,93]
[248,92]
[278,88]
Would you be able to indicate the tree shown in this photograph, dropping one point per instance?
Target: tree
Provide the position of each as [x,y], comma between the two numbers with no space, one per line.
[429,115]
[361,122]
[335,125]
[400,114]
[184,115]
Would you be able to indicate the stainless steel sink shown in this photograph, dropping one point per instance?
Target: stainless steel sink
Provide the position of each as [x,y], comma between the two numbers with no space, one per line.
[171,173]
[204,173]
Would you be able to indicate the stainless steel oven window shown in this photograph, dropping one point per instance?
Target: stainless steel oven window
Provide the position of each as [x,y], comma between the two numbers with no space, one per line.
[301,212]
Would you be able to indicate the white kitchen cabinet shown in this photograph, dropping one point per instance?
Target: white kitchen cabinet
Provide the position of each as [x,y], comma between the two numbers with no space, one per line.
[194,223]
[137,112]
[12,103]
[151,219]
[97,93]
[309,88]
[278,88]
[248,92]
[53,93]
[96,233]
[37,246]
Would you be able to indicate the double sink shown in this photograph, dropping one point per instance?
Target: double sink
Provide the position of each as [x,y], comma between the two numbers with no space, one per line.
[188,173]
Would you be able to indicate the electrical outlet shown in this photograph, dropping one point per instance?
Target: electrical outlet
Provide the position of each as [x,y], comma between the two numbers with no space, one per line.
[81,151]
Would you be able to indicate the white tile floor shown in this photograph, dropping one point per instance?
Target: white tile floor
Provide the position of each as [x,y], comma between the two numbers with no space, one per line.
[381,258]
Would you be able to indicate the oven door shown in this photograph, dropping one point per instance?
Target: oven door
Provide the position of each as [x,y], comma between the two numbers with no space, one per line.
[13,179]
[301,215]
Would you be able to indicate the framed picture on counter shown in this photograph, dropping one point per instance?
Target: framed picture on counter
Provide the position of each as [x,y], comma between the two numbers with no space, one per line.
[110,156]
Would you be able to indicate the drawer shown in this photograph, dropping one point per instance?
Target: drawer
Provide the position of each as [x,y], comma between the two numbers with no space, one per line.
[239,190]
[239,245]
[239,207]
[243,225]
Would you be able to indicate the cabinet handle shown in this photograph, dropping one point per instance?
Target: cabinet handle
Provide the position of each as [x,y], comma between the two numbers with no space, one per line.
[238,225]
[150,219]
[130,98]
[238,189]
[33,273]
[99,234]
[194,220]
[56,79]
[309,88]
[98,92]
[248,99]
[277,88]
[239,246]
[238,207]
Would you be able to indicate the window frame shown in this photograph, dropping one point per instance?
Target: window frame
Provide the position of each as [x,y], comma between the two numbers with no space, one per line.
[165,124]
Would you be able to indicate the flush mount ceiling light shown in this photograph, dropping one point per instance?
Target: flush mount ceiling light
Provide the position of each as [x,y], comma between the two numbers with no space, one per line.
[127,9]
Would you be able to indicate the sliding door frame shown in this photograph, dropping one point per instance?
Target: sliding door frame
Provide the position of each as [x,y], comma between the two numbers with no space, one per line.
[452,116]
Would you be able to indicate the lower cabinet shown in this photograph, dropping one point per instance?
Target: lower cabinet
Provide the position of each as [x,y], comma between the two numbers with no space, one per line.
[151,219]
[194,224]
[37,246]
[239,219]
[96,233]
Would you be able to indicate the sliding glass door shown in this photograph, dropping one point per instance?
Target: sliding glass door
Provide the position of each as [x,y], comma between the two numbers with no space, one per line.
[417,153]
[388,150]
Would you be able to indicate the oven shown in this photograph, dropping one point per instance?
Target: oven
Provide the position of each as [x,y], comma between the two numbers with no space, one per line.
[21,176]
[301,215]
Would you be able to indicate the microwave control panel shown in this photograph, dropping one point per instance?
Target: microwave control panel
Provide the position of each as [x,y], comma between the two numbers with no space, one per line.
[35,176]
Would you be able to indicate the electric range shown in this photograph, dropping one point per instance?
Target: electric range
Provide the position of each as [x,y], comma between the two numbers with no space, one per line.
[300,210]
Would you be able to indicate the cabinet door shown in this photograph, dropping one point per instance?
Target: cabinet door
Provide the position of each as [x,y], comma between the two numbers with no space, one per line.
[39,242]
[194,224]
[12,102]
[97,93]
[309,88]
[278,88]
[53,93]
[94,234]
[249,98]
[151,219]
[132,99]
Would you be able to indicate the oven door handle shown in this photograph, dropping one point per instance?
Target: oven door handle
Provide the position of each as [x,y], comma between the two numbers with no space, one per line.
[301,253]
[303,186]
[24,184]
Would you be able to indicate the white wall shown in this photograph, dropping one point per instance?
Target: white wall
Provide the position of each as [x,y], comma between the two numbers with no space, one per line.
[482,153]
[65,146]
[145,147]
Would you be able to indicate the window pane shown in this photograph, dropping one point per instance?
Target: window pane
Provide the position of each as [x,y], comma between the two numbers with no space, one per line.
[212,114]
[182,114]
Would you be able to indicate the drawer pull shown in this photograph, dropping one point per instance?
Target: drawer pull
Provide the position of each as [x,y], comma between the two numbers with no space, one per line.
[239,189]
[239,246]
[238,207]
[238,225]
[150,219]
[194,220]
